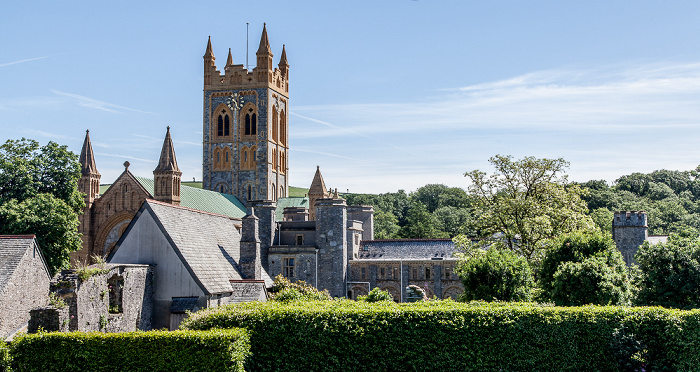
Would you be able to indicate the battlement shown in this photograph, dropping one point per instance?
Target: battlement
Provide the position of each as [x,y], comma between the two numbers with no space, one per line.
[264,75]
[630,219]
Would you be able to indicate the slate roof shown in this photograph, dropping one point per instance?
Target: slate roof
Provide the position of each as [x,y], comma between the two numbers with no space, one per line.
[406,249]
[204,200]
[12,249]
[205,242]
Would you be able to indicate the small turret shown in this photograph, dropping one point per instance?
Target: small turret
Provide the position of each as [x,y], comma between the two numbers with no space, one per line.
[316,191]
[209,64]
[166,176]
[263,70]
[283,65]
[229,60]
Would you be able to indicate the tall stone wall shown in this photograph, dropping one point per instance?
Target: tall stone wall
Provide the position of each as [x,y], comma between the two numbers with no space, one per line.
[331,240]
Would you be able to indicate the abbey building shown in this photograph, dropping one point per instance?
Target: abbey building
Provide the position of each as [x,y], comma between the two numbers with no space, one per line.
[242,228]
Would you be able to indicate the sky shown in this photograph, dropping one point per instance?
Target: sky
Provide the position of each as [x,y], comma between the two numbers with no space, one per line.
[384,95]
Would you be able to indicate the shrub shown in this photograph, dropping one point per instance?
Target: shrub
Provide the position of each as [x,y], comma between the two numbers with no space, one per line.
[453,336]
[495,274]
[215,350]
[4,358]
[284,290]
[376,295]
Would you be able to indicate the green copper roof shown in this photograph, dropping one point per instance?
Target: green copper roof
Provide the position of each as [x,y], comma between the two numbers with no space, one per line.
[204,200]
[289,202]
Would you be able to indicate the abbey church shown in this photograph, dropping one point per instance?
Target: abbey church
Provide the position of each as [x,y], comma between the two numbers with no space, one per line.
[260,230]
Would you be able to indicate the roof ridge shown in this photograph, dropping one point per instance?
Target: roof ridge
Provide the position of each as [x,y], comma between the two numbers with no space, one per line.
[407,240]
[153,201]
[20,236]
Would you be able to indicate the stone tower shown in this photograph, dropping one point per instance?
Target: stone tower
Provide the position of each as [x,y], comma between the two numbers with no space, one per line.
[166,176]
[89,184]
[331,240]
[246,126]
[317,191]
[629,231]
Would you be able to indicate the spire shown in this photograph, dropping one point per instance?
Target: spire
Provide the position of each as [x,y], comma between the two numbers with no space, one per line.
[264,42]
[167,162]
[229,61]
[318,187]
[283,59]
[209,52]
[87,157]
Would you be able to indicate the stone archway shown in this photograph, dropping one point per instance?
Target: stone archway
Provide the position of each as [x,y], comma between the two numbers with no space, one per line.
[393,291]
[110,232]
[452,292]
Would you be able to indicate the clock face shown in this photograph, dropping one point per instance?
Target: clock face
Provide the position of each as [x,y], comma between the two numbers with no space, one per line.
[233,102]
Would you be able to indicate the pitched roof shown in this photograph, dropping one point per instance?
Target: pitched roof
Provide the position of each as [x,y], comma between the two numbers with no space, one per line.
[167,162]
[12,249]
[205,242]
[406,249]
[318,187]
[204,200]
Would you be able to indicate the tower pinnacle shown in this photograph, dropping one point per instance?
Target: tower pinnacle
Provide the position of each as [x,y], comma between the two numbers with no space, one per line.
[264,42]
[87,157]
[166,176]
[229,61]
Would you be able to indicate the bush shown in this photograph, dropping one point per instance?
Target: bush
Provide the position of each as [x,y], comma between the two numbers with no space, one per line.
[4,358]
[591,281]
[284,290]
[669,274]
[584,267]
[495,274]
[376,295]
[452,336]
[215,350]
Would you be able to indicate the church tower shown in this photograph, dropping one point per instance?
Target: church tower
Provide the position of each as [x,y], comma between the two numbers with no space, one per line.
[245,126]
[166,176]
[89,184]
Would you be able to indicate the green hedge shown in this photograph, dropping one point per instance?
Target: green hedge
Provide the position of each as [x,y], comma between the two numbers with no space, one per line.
[215,350]
[450,336]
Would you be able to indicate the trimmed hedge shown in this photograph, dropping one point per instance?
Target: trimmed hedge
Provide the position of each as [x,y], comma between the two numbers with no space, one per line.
[451,336]
[215,350]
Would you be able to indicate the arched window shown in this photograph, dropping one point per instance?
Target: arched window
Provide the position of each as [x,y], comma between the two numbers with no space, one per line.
[275,124]
[247,124]
[254,125]
[274,192]
[226,160]
[227,125]
[250,192]
[220,126]
[283,128]
[245,156]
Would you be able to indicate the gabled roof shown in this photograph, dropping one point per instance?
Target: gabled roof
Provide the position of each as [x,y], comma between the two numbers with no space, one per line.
[407,249]
[206,243]
[12,249]
[318,187]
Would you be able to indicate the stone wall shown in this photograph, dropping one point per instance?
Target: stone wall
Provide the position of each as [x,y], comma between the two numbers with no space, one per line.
[116,298]
[27,289]
[629,231]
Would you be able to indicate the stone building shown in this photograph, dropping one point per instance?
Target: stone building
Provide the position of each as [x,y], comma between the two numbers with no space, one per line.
[629,231]
[115,298]
[246,126]
[24,281]
[200,259]
[107,214]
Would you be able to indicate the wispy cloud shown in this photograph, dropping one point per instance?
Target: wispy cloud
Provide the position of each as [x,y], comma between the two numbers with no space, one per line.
[97,104]
[22,61]
[126,157]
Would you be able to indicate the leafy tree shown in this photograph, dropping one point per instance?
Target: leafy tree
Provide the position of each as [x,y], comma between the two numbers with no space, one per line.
[284,290]
[602,217]
[670,273]
[525,202]
[453,221]
[495,274]
[39,195]
[386,225]
[421,224]
[434,196]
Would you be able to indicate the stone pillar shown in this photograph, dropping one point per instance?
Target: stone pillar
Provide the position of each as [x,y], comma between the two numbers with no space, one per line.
[364,214]
[267,227]
[331,240]
[250,262]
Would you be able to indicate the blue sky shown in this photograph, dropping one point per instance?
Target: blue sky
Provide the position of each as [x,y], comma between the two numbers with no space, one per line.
[384,95]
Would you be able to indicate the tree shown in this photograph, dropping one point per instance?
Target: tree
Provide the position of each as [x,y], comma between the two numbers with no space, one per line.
[421,224]
[670,273]
[495,274]
[525,202]
[39,195]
